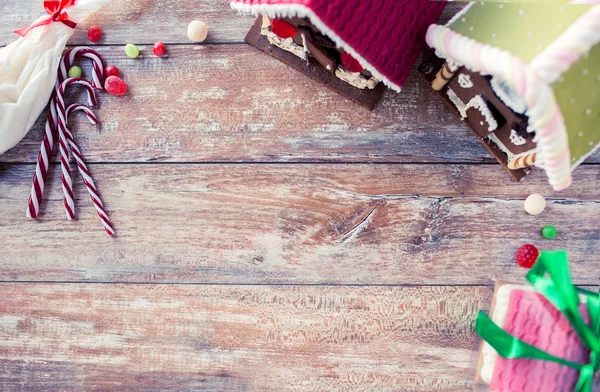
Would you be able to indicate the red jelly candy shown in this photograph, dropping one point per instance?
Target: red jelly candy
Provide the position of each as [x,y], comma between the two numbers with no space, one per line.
[115,86]
[159,49]
[94,34]
[350,63]
[282,28]
[111,70]
[527,255]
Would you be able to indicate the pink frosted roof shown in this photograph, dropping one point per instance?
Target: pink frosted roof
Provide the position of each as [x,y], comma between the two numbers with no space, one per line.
[385,36]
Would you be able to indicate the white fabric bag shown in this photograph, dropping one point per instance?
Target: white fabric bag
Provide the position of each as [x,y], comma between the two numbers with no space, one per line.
[28,71]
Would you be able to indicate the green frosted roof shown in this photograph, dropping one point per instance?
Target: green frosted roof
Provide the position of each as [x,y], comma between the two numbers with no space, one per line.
[521,29]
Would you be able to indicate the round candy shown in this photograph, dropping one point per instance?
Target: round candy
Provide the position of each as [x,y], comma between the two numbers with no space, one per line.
[535,204]
[350,63]
[74,72]
[111,70]
[132,51]
[527,255]
[197,31]
[94,34]
[283,29]
[549,232]
[159,49]
[115,86]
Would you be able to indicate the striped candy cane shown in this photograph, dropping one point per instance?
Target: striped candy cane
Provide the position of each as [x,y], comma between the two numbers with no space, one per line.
[67,179]
[83,170]
[51,129]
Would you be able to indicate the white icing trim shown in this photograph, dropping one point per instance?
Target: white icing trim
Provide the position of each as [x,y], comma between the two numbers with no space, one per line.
[493,138]
[301,11]
[476,102]
[286,44]
[460,14]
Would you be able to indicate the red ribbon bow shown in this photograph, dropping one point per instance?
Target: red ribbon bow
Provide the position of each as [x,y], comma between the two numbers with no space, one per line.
[53,8]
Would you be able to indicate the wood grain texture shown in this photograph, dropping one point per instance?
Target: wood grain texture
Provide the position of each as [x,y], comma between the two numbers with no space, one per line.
[232,103]
[138,21]
[216,338]
[343,224]
[148,21]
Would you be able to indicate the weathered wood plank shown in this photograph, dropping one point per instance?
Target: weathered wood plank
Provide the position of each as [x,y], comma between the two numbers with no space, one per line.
[384,224]
[185,337]
[147,21]
[138,21]
[232,103]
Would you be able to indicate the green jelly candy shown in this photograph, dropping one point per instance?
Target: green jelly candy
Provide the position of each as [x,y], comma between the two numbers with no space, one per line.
[549,232]
[74,72]
[132,51]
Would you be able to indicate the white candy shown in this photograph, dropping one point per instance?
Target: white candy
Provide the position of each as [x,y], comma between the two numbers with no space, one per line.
[535,204]
[197,31]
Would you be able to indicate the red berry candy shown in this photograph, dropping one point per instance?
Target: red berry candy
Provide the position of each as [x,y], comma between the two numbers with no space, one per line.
[350,63]
[282,28]
[94,34]
[115,86]
[527,255]
[111,70]
[159,49]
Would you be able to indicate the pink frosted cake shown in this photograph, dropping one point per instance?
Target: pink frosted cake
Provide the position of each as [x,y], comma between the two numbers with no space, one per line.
[528,316]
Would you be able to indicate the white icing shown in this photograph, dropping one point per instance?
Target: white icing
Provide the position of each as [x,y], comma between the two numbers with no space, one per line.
[477,102]
[516,139]
[508,96]
[465,81]
[356,79]
[286,44]
[505,150]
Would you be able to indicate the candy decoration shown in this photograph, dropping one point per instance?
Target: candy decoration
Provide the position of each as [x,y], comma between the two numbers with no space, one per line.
[443,76]
[83,169]
[283,29]
[74,72]
[111,70]
[94,34]
[350,63]
[115,86]
[67,181]
[549,232]
[159,49]
[522,162]
[535,204]
[197,31]
[132,51]
[51,129]
[527,255]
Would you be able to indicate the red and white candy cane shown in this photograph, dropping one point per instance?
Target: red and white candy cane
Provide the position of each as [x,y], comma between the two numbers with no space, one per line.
[83,170]
[51,129]
[67,180]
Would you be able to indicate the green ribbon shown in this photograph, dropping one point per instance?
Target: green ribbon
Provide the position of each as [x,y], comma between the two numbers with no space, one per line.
[560,292]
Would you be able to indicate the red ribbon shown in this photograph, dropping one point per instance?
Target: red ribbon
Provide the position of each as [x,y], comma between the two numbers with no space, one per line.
[53,8]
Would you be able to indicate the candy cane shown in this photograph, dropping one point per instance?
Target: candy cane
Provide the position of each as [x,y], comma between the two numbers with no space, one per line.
[83,170]
[67,179]
[51,129]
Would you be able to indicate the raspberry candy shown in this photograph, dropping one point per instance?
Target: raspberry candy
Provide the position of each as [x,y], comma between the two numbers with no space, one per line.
[115,86]
[527,255]
[94,33]
[350,63]
[282,28]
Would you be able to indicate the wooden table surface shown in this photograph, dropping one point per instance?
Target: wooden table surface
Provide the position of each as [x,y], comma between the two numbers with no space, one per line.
[270,235]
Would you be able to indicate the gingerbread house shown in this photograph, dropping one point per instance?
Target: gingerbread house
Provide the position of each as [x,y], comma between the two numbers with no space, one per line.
[356,47]
[525,78]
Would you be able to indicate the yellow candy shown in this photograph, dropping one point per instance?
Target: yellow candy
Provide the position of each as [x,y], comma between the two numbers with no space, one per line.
[132,51]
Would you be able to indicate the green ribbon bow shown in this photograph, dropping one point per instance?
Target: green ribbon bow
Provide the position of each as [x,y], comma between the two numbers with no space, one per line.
[558,290]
